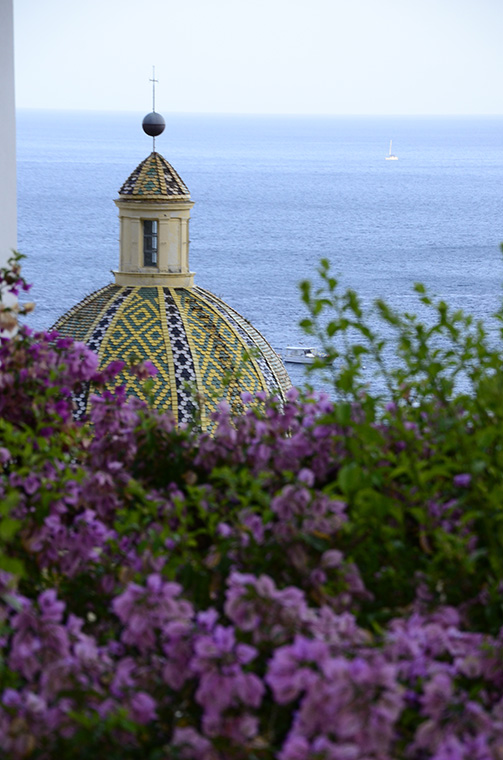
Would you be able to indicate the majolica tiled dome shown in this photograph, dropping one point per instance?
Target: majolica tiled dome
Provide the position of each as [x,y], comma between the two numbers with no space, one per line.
[199,345]
[203,350]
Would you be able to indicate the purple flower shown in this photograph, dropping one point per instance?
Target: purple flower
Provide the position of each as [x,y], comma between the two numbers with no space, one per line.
[295,748]
[191,745]
[5,455]
[51,609]
[224,530]
[306,476]
[31,484]
[332,558]
[142,708]
[463,480]
[150,368]
[437,695]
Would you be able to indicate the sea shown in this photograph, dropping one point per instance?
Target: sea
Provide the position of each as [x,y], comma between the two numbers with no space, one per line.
[273,196]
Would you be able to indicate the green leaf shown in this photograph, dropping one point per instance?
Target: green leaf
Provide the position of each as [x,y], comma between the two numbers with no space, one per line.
[9,527]
[9,502]
[350,478]
[13,566]
[343,413]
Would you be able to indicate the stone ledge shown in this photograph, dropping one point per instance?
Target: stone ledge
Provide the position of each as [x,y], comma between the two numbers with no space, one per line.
[164,279]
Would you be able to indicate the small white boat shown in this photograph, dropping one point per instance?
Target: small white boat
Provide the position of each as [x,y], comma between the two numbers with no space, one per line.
[391,156]
[301,354]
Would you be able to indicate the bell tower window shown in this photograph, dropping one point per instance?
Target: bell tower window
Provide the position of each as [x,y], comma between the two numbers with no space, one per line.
[150,243]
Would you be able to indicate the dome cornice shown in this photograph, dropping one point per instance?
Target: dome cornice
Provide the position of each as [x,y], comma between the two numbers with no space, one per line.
[165,279]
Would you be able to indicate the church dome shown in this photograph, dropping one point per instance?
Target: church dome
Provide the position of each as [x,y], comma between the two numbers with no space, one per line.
[204,351]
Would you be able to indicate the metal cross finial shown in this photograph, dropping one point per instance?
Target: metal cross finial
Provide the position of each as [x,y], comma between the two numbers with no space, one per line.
[153,80]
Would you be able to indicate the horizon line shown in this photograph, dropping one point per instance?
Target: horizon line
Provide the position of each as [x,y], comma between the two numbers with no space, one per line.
[268,113]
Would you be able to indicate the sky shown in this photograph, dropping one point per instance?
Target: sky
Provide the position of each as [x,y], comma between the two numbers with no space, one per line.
[349,57]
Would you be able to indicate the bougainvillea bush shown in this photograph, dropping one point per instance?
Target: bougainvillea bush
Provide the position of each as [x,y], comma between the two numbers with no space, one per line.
[321,580]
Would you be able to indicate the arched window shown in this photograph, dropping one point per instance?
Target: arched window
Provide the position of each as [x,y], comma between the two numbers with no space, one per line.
[150,243]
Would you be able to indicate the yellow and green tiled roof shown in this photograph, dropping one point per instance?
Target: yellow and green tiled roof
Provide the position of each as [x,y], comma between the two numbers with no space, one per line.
[154,179]
[203,350]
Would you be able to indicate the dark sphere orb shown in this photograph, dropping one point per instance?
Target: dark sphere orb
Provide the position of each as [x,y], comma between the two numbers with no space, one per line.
[153,124]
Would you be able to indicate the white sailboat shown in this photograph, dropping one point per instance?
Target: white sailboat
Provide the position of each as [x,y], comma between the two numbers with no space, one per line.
[391,156]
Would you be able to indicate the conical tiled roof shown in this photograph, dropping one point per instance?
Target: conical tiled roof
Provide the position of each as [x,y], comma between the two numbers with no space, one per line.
[154,179]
